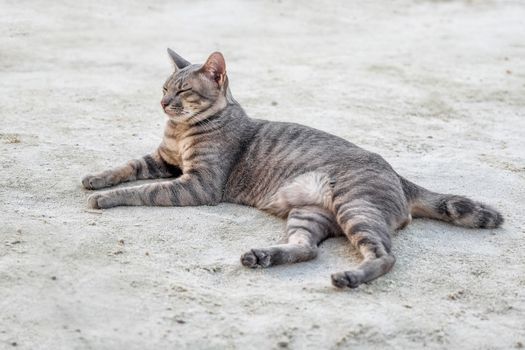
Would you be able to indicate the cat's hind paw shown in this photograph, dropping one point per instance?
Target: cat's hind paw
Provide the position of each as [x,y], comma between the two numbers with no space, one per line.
[350,279]
[256,258]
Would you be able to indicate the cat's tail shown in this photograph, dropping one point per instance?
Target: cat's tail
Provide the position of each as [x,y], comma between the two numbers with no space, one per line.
[457,210]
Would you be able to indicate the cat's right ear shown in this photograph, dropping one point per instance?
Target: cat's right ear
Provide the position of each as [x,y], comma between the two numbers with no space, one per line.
[178,62]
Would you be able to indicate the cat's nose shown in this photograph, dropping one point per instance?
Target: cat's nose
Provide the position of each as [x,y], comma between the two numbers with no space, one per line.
[165,102]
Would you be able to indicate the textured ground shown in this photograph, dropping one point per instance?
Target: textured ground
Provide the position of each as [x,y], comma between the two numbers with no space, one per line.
[438,88]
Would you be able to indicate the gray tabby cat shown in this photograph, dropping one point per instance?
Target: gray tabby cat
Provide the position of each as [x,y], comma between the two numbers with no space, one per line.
[325,186]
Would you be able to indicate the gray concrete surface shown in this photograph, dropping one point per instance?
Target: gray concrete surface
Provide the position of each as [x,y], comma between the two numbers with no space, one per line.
[436,87]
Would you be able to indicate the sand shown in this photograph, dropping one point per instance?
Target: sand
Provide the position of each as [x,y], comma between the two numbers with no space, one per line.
[437,88]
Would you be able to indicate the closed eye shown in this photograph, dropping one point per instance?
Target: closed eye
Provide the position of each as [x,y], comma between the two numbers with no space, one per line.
[181,91]
[164,89]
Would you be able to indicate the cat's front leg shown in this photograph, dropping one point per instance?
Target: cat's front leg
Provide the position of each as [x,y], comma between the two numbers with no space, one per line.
[187,190]
[151,166]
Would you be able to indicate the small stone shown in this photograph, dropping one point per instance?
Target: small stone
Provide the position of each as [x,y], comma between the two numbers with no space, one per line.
[117,252]
[283,344]
[274,103]
[456,295]
[180,321]
[54,278]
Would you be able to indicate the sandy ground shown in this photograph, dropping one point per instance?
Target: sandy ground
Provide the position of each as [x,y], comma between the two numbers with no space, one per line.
[438,88]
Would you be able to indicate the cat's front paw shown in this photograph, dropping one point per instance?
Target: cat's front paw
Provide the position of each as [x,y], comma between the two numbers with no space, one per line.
[100,201]
[94,182]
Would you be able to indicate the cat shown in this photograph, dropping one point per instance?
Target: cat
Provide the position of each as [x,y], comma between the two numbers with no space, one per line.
[323,185]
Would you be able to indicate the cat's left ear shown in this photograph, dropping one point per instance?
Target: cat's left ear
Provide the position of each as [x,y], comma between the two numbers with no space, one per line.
[178,61]
[215,68]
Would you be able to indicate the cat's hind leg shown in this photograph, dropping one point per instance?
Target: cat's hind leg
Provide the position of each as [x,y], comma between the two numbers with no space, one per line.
[369,232]
[306,228]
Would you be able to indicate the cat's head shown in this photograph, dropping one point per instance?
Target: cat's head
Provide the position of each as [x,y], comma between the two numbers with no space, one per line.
[195,92]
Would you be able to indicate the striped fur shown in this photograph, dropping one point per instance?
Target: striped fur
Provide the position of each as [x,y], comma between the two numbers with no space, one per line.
[325,186]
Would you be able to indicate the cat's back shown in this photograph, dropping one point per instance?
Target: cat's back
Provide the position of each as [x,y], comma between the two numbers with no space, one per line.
[301,146]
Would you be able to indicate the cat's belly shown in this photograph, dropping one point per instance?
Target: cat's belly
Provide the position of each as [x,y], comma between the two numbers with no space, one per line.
[279,195]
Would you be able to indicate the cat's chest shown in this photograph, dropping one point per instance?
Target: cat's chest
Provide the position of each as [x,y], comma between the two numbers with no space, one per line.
[175,150]
[192,148]
[174,144]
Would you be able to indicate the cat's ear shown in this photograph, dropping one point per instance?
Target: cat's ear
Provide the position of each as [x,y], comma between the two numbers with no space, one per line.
[178,61]
[215,68]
